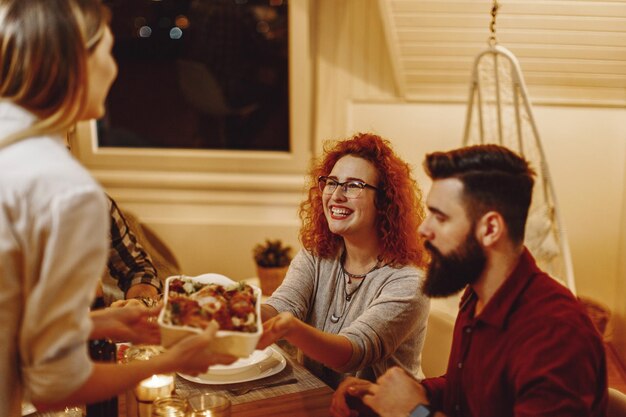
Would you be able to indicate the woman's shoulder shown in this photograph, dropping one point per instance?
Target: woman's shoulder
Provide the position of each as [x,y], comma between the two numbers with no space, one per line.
[305,255]
[407,271]
[391,277]
[42,172]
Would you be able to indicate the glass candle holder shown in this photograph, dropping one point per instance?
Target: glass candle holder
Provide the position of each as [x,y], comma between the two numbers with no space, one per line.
[208,405]
[142,353]
[148,390]
[169,407]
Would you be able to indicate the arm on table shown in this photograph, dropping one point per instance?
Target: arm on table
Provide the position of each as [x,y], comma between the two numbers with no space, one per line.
[330,349]
[267,312]
[395,393]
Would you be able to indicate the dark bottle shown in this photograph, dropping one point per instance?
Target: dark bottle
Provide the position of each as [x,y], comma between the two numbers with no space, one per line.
[102,350]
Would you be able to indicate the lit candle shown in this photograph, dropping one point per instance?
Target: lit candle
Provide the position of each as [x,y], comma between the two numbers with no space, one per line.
[152,388]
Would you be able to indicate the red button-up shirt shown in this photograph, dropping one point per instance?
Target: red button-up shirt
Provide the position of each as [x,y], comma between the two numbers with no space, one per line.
[531,352]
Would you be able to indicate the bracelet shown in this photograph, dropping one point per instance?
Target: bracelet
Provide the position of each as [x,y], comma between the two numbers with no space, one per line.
[147,301]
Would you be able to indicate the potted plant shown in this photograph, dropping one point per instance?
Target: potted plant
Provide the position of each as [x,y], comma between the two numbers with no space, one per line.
[272,260]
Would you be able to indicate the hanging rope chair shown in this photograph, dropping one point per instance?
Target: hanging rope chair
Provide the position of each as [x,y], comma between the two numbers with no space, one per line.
[500,112]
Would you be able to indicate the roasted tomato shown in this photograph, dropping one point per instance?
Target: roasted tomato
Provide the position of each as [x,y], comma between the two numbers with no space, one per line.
[176,285]
[241,304]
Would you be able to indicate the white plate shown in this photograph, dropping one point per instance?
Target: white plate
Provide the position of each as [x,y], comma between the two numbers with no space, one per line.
[242,364]
[250,374]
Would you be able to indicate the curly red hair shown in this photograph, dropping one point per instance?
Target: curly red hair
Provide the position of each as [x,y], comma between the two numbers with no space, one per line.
[398,203]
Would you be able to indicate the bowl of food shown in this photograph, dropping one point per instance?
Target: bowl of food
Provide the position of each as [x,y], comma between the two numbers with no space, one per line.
[191,303]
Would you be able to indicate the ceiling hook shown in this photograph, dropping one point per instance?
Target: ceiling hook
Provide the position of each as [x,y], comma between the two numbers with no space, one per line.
[492,26]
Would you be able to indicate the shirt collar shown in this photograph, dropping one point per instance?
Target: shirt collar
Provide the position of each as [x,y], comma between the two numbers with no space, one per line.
[498,309]
[17,117]
[14,118]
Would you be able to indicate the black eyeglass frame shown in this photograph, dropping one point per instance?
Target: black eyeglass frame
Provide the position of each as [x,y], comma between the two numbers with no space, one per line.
[322,179]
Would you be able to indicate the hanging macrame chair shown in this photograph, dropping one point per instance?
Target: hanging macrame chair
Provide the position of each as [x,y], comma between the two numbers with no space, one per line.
[499,112]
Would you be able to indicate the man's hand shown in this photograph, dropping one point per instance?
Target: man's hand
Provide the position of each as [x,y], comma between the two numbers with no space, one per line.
[275,329]
[192,356]
[128,324]
[395,394]
[138,294]
[347,399]
[145,295]
[142,290]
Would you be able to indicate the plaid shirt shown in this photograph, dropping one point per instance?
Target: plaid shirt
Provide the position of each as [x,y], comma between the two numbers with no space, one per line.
[128,263]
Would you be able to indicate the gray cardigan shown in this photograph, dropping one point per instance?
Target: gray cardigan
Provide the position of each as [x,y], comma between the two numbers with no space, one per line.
[385,320]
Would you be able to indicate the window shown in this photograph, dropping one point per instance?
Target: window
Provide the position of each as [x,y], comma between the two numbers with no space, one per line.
[126,139]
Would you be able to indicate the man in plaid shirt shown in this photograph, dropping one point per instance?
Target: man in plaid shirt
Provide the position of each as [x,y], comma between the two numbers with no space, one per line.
[130,270]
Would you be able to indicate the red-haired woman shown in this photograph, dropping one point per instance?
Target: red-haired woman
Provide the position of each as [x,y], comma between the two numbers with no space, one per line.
[351,300]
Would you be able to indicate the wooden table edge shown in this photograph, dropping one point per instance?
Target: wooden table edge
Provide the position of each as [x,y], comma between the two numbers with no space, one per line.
[311,403]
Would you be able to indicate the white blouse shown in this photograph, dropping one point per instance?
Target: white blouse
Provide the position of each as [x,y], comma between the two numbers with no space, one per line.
[53,247]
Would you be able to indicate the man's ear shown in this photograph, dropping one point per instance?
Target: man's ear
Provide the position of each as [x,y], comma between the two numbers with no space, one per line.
[490,228]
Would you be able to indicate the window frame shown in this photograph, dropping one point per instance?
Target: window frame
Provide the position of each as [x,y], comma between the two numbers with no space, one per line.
[202,164]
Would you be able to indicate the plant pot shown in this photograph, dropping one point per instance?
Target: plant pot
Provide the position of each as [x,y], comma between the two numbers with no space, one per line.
[271,278]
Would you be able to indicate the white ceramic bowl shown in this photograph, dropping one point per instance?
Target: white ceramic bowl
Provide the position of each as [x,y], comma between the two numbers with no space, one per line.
[236,343]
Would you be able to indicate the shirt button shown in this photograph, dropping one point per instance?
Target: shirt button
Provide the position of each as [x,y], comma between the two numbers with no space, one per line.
[460,365]
[457,407]
[468,330]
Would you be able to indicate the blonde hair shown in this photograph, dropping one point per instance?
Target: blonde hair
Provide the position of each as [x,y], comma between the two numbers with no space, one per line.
[44,46]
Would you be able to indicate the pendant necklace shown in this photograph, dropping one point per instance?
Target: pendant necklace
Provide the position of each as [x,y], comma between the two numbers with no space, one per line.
[347,277]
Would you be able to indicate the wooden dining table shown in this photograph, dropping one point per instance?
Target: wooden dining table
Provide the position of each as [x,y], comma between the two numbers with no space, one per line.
[309,397]
[311,403]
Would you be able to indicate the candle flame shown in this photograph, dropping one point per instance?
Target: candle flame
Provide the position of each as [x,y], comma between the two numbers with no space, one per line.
[157,381]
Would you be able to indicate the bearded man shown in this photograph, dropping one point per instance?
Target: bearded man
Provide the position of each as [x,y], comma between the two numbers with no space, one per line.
[522,344]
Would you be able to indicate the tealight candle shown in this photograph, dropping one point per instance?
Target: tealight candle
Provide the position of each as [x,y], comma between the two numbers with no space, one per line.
[150,389]
[139,353]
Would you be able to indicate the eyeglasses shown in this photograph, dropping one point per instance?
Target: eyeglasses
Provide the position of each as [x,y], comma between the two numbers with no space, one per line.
[350,189]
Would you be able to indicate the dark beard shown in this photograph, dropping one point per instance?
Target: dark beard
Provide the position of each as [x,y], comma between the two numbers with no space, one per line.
[449,274]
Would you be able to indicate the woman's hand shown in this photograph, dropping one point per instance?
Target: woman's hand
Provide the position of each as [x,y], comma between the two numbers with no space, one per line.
[347,401]
[333,350]
[275,329]
[192,356]
[128,324]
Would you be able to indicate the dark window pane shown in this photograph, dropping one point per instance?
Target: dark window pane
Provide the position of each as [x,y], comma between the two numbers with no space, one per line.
[210,74]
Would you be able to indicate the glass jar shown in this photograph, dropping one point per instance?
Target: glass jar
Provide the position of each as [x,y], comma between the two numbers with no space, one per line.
[208,405]
[169,407]
[140,353]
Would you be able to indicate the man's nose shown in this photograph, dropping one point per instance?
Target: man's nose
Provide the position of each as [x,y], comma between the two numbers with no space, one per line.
[424,229]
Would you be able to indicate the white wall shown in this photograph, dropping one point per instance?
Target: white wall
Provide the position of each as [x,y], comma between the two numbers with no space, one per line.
[215,231]
[585,151]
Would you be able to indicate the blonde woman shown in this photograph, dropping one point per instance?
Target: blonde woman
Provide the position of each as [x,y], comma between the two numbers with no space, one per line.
[56,68]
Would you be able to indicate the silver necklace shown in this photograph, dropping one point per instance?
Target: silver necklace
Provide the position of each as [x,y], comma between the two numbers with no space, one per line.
[348,295]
